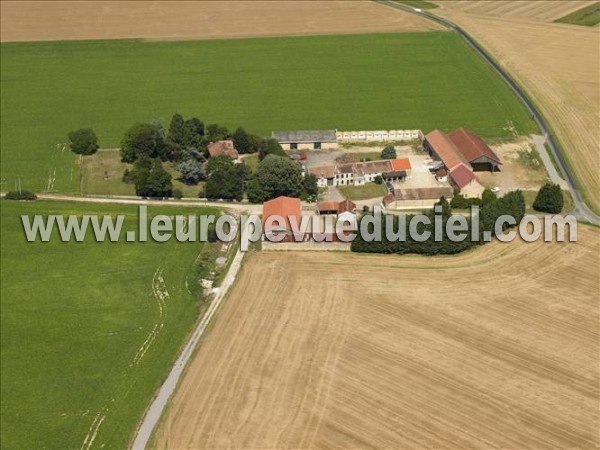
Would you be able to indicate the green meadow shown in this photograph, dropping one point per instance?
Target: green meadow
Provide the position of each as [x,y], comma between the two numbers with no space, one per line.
[588,16]
[76,318]
[377,81]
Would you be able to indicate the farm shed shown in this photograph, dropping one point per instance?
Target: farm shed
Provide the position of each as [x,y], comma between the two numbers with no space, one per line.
[474,149]
[221,148]
[400,170]
[276,219]
[416,197]
[306,139]
[327,208]
[461,147]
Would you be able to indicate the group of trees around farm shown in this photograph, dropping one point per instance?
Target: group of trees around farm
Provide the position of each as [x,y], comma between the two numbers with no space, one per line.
[185,145]
[513,204]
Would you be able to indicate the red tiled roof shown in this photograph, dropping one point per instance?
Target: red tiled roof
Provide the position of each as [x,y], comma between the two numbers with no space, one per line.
[462,175]
[445,149]
[401,164]
[440,173]
[284,207]
[388,198]
[346,205]
[222,148]
[327,206]
[471,146]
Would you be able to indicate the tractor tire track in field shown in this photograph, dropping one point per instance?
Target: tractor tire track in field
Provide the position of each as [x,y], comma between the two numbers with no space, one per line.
[93,431]
[161,295]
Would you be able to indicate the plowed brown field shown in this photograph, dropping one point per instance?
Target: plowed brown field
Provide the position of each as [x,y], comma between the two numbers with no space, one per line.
[61,20]
[558,64]
[497,348]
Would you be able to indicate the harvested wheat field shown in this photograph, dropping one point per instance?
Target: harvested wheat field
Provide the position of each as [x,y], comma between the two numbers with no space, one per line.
[497,348]
[558,64]
[63,20]
[545,11]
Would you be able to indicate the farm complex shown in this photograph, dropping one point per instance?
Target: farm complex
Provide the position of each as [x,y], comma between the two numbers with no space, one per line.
[332,111]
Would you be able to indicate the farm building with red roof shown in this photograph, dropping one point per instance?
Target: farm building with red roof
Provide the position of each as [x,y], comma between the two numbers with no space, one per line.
[474,149]
[465,180]
[278,215]
[461,146]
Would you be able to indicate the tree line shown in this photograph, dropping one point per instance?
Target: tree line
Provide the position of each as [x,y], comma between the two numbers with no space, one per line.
[185,144]
[513,204]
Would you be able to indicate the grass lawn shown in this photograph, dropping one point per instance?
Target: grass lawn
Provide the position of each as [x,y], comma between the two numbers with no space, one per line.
[377,81]
[251,161]
[74,316]
[366,156]
[369,190]
[102,174]
[588,16]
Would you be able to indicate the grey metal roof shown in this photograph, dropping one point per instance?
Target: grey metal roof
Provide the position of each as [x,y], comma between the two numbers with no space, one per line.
[305,136]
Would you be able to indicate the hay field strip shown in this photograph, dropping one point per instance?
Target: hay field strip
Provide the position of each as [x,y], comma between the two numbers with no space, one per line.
[535,10]
[494,348]
[89,330]
[181,20]
[373,81]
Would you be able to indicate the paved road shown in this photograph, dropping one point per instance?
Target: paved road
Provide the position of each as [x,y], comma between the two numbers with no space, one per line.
[582,210]
[539,142]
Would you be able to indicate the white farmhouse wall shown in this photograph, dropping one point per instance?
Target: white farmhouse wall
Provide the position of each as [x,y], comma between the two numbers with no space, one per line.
[379,135]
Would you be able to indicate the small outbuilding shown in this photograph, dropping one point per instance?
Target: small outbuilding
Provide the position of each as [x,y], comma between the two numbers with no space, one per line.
[325,208]
[463,179]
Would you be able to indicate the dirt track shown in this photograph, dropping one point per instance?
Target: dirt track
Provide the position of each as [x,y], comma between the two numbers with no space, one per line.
[58,20]
[497,348]
[558,64]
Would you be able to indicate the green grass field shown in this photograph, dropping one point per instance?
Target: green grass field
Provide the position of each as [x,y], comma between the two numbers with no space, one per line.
[102,174]
[369,190]
[421,4]
[74,316]
[378,81]
[588,16]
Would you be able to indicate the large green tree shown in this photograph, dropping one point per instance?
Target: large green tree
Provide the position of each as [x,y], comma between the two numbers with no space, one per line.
[83,141]
[245,142]
[143,139]
[191,171]
[278,175]
[226,180]
[150,178]
[389,152]
[270,147]
[549,199]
